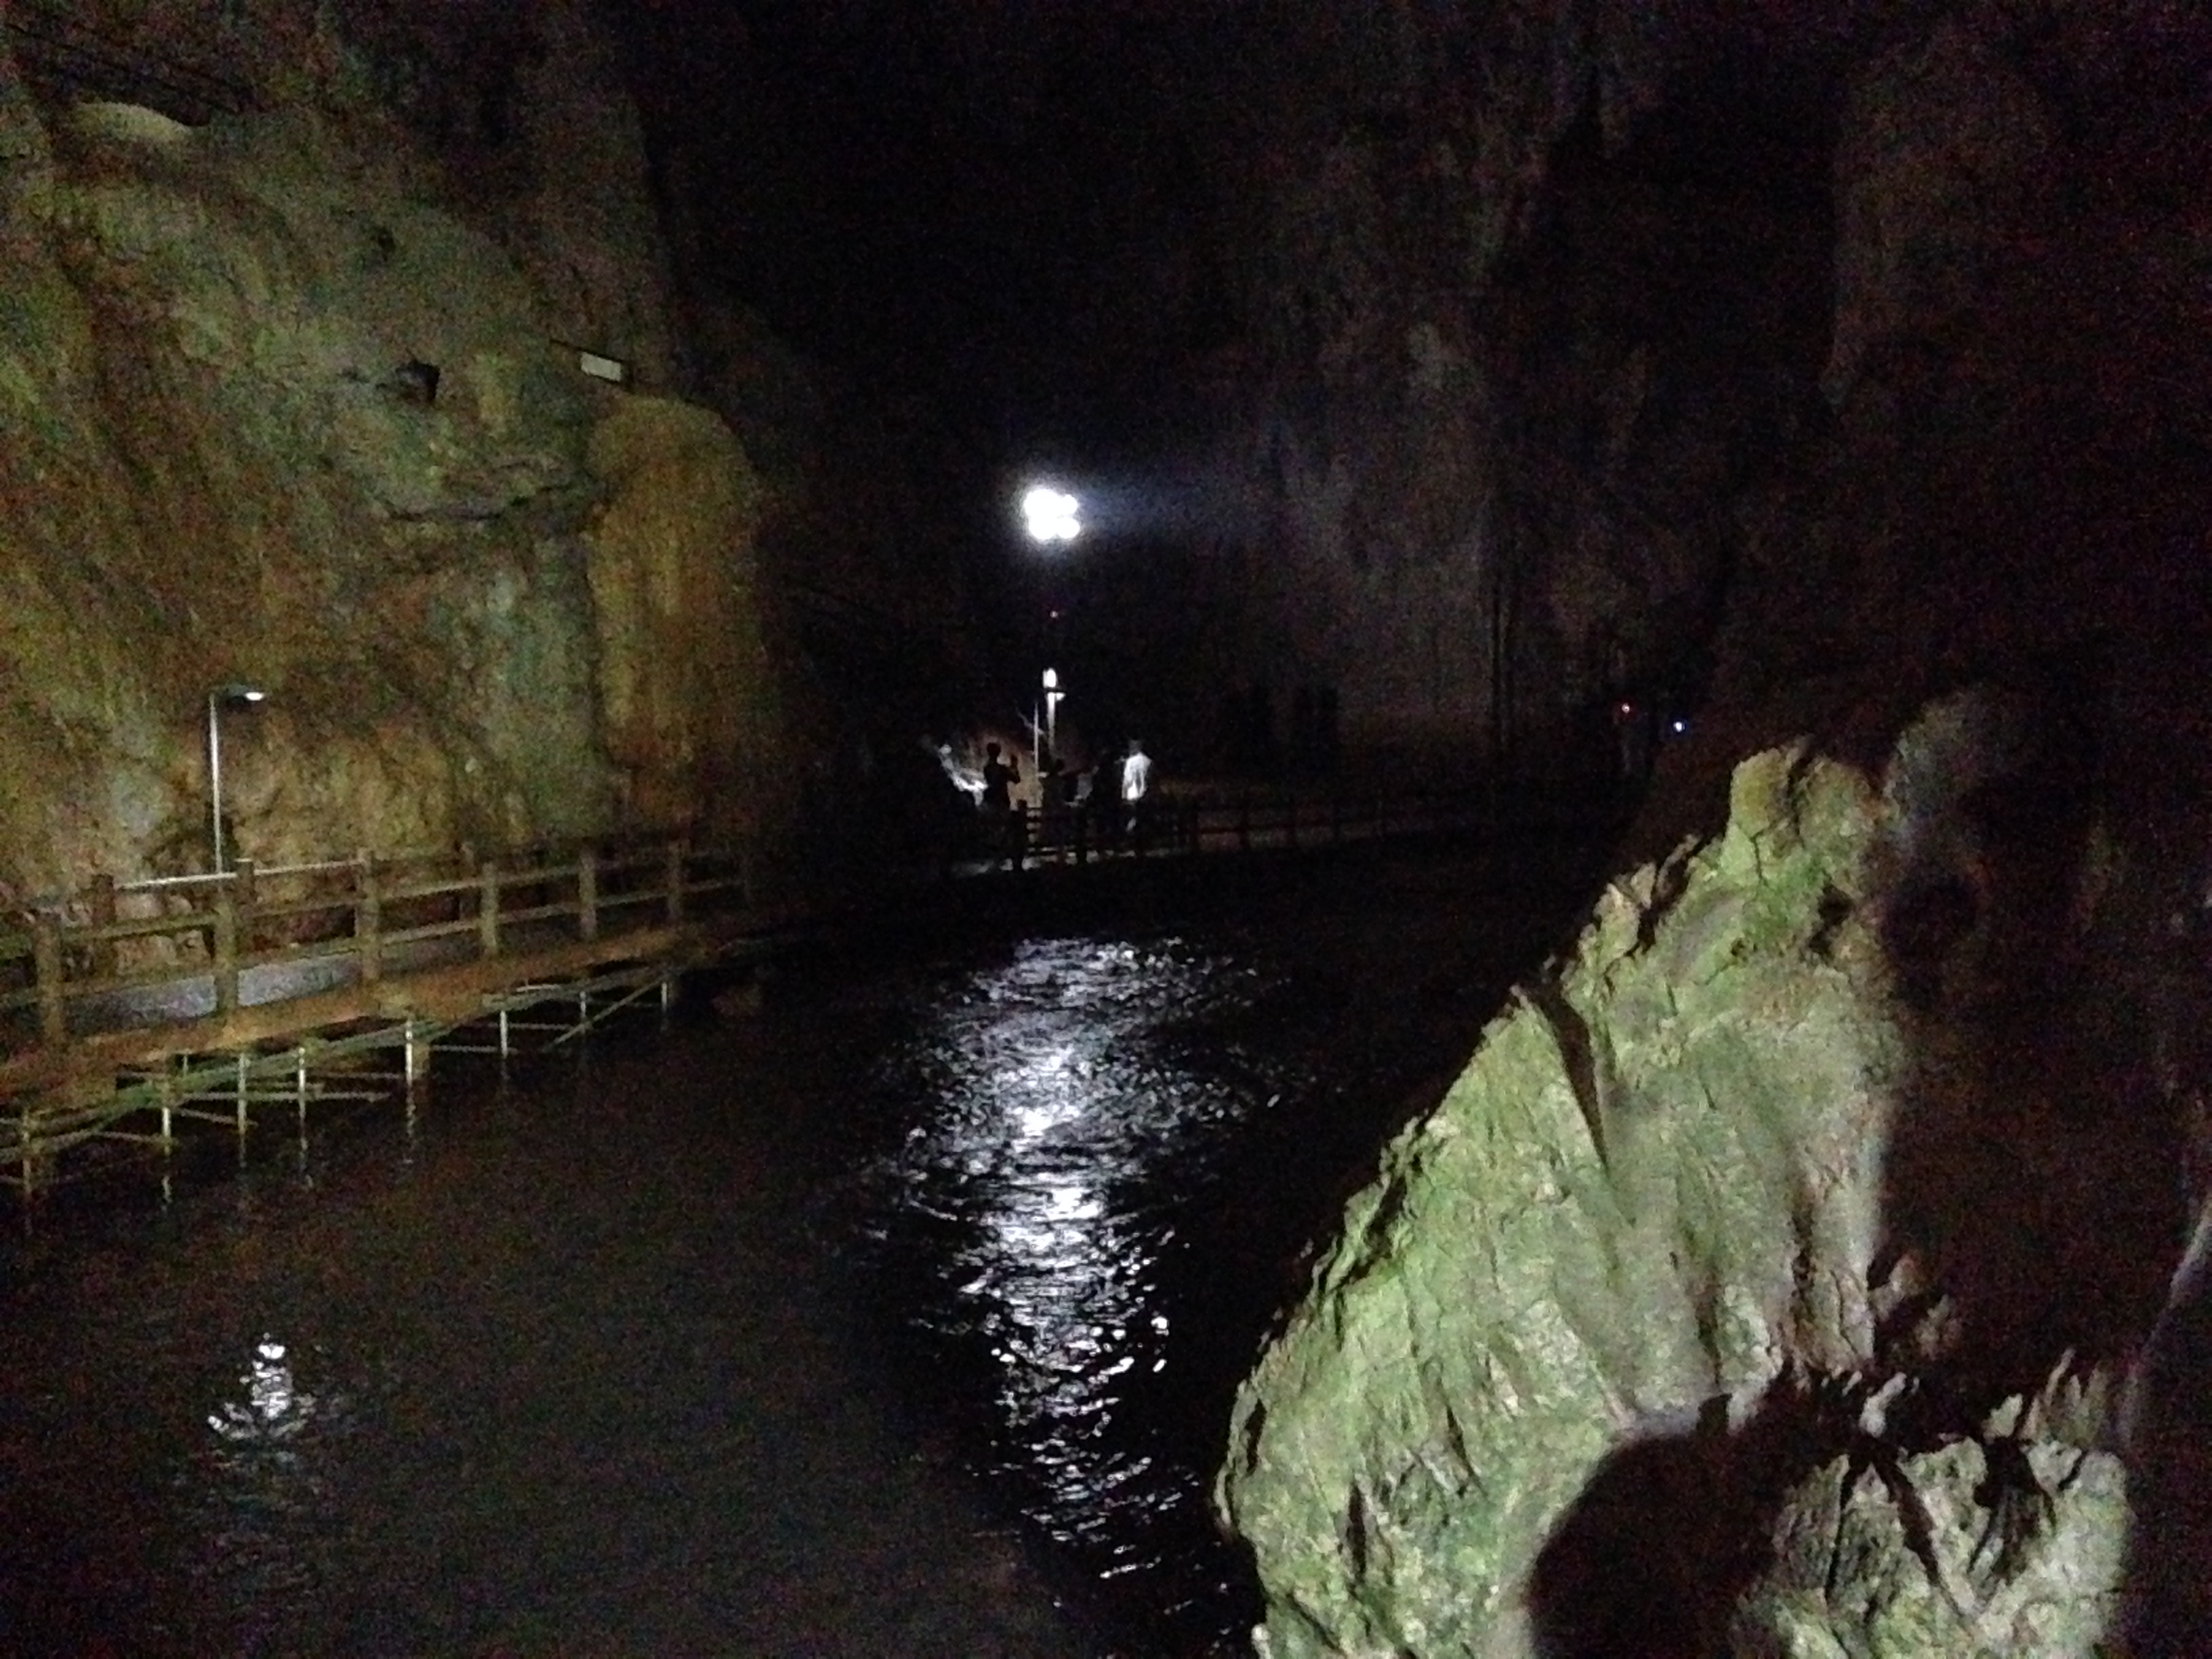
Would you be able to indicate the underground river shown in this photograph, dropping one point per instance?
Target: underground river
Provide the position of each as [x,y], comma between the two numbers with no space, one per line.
[899,1317]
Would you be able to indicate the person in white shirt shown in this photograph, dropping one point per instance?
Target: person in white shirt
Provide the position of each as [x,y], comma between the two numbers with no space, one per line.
[1136,779]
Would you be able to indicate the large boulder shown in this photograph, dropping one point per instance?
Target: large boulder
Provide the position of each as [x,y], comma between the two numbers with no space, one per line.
[1762,1285]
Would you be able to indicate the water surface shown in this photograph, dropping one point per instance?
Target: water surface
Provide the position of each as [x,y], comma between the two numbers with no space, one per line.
[901,1318]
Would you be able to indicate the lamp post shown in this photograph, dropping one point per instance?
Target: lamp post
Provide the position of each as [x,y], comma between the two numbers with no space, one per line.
[217,700]
[1050,515]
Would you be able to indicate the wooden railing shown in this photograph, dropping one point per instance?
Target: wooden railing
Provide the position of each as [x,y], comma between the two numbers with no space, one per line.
[348,920]
[135,955]
[1213,824]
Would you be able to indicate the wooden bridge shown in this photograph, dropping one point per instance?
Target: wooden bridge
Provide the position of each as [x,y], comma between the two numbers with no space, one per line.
[137,1006]
[134,1008]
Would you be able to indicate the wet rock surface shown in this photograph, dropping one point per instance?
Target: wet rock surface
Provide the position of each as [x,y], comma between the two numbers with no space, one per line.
[1768,1280]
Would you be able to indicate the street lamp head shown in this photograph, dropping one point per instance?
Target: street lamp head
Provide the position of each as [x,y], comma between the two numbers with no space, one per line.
[1052,679]
[237,691]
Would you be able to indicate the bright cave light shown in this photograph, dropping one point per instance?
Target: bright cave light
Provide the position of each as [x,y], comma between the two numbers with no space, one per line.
[1051,514]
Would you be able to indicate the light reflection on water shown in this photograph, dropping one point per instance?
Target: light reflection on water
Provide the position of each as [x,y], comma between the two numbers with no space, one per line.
[1073,1107]
[263,1495]
[568,1368]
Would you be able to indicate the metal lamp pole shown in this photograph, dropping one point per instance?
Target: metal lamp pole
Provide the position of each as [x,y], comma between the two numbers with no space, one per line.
[233,692]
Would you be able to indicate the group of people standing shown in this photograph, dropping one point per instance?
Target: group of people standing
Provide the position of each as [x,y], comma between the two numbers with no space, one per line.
[1062,793]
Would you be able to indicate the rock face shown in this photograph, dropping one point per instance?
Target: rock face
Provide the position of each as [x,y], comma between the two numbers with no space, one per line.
[688,702]
[1765,1283]
[1564,330]
[1770,1282]
[293,397]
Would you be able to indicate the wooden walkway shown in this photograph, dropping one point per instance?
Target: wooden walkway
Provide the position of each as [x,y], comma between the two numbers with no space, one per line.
[138,1006]
[1247,821]
[133,1009]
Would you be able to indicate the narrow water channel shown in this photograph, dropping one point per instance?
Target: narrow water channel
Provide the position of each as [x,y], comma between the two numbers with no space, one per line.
[899,1318]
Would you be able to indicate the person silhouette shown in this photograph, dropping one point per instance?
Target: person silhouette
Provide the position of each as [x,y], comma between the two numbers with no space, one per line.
[1136,780]
[1005,825]
[999,776]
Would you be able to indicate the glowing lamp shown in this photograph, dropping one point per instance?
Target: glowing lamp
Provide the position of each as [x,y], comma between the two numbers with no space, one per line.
[1051,515]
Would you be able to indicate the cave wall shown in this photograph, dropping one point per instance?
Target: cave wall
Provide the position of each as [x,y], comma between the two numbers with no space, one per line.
[1562,329]
[1532,300]
[1773,1279]
[507,605]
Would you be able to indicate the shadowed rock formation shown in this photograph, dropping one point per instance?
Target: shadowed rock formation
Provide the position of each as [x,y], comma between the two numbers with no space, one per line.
[1770,1282]
[1766,1283]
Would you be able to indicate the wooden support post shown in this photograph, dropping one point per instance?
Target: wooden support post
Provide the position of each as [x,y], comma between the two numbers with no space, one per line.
[487,908]
[368,916]
[675,882]
[226,949]
[1082,836]
[46,960]
[244,1079]
[101,899]
[587,894]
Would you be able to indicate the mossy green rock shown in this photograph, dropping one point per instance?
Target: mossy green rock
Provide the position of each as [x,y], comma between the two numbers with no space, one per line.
[1646,1213]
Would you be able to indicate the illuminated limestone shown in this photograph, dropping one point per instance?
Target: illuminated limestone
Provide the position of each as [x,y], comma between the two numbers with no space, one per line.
[1636,1344]
[689,705]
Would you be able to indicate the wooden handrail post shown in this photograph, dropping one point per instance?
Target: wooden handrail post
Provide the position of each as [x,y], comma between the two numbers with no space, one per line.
[587,894]
[675,882]
[46,957]
[368,916]
[488,906]
[226,949]
[101,900]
